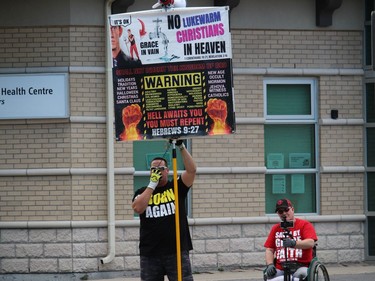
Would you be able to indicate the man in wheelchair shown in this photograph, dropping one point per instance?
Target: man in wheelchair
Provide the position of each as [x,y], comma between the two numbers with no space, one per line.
[289,246]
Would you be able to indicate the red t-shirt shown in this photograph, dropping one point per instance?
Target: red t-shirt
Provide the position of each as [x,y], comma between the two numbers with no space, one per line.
[302,230]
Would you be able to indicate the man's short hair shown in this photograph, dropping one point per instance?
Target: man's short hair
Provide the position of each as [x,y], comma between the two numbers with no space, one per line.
[160,159]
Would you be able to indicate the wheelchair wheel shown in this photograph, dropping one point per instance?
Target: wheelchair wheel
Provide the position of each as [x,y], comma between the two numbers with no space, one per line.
[317,272]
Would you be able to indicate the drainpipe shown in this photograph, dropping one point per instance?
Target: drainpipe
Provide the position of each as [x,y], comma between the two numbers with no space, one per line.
[110,143]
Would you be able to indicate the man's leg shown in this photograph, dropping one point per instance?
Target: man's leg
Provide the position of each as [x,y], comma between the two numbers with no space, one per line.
[300,273]
[171,267]
[152,269]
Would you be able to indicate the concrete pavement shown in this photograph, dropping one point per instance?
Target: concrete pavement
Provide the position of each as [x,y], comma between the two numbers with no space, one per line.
[364,271]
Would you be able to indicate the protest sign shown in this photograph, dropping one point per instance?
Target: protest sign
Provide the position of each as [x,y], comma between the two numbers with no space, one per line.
[172,73]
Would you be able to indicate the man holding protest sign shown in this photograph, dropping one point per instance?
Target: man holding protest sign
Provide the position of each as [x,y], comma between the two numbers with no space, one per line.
[155,205]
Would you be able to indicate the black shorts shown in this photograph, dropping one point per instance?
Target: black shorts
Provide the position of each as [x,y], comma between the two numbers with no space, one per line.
[156,267]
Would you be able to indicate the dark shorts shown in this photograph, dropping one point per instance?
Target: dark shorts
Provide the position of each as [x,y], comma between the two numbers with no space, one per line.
[154,268]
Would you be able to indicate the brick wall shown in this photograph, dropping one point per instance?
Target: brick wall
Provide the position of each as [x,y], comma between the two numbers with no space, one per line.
[47,198]
[34,47]
[82,145]
[297,49]
[87,94]
[341,146]
[338,189]
[248,94]
[343,93]
[34,146]
[216,246]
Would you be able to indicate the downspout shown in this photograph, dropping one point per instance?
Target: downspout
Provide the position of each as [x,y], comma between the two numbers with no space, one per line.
[110,143]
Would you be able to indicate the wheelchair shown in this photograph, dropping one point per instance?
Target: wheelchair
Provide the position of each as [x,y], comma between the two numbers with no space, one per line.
[315,272]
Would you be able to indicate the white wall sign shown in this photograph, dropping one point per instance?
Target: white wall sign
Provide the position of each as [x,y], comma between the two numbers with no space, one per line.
[28,96]
[278,184]
[275,161]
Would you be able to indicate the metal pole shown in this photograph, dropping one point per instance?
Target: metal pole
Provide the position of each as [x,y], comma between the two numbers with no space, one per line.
[177,213]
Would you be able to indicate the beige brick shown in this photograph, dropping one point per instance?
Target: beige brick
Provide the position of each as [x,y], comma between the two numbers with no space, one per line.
[43,265]
[14,265]
[29,250]
[85,264]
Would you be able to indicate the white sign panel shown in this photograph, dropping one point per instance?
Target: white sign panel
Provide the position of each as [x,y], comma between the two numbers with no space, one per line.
[28,96]
[178,35]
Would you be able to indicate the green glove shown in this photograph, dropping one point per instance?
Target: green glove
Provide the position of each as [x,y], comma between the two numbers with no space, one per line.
[154,178]
[289,243]
[270,271]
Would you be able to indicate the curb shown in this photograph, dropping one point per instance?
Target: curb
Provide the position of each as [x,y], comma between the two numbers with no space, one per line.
[255,273]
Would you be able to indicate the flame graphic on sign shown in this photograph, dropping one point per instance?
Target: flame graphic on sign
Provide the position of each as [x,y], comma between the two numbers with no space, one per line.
[217,111]
[131,116]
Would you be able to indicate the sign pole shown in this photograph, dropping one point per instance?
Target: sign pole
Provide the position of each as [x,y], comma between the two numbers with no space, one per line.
[177,212]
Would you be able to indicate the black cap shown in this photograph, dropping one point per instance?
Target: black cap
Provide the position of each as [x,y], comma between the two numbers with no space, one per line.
[283,204]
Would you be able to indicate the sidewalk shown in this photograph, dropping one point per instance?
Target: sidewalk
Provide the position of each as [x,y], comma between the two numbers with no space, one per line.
[256,273]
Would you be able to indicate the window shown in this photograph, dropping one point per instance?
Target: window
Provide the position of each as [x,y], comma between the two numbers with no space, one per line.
[370,167]
[369,50]
[369,7]
[370,145]
[370,132]
[370,103]
[371,235]
[289,102]
[371,192]
[290,136]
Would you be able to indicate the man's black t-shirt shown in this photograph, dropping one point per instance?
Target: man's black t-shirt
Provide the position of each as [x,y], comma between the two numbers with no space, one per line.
[158,226]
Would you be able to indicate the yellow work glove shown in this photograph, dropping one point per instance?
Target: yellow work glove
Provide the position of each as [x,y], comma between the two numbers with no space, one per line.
[154,178]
